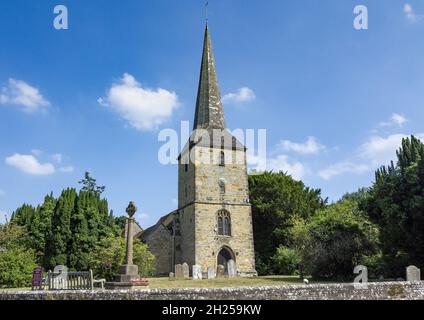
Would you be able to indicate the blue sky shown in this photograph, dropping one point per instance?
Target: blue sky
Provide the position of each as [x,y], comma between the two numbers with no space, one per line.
[335,101]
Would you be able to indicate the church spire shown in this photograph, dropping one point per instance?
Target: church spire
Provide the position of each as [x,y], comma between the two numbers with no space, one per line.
[209,111]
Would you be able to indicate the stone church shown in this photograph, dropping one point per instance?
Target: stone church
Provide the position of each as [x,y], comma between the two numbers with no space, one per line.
[213,222]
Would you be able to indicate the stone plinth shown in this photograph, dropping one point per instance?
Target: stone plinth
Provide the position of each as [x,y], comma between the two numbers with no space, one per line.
[128,277]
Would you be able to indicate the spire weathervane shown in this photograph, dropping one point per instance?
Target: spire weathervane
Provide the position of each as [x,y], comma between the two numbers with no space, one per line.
[206,11]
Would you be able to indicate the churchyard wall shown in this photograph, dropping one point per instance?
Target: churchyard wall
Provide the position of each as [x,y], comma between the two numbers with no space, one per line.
[375,291]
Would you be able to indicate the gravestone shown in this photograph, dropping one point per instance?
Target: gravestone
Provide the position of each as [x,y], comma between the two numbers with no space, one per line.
[60,279]
[186,271]
[413,274]
[211,273]
[171,276]
[220,271]
[232,269]
[197,272]
[179,271]
[37,278]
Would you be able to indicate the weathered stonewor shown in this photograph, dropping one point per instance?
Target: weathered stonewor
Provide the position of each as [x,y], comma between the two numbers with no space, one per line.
[337,291]
[186,271]
[197,272]
[232,269]
[413,274]
[171,276]
[179,271]
[211,273]
[220,271]
[128,277]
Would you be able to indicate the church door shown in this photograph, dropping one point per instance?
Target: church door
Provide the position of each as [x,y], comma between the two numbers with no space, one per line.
[224,256]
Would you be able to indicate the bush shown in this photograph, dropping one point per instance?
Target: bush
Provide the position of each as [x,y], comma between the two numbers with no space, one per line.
[336,240]
[17,260]
[16,266]
[286,261]
[109,255]
[261,268]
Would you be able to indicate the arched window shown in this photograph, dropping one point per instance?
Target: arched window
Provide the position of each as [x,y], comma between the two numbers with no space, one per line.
[224,223]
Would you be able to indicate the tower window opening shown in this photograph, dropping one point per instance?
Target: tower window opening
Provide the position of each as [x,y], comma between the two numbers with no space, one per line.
[224,223]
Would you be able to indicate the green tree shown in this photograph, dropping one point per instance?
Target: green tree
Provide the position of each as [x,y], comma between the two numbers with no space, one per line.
[395,203]
[286,261]
[60,236]
[90,184]
[109,255]
[335,240]
[17,260]
[277,200]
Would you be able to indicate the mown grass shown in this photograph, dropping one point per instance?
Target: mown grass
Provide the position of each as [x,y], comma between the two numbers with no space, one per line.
[224,282]
[163,283]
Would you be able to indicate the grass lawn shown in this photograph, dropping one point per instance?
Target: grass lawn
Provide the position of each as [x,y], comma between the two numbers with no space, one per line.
[225,282]
[215,283]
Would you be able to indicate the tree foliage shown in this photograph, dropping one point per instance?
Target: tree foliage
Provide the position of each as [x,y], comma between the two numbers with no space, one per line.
[17,260]
[64,231]
[110,255]
[396,204]
[335,240]
[277,200]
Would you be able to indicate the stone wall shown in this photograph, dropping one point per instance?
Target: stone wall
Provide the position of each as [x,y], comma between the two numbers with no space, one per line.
[375,291]
[200,199]
[160,245]
[209,243]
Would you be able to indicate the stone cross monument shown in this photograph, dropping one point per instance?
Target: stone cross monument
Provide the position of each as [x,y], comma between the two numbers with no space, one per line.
[129,271]
[128,276]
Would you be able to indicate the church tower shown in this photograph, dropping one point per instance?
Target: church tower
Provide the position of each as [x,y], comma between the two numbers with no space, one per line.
[214,221]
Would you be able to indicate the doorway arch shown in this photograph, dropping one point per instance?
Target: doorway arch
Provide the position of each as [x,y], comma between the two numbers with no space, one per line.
[225,255]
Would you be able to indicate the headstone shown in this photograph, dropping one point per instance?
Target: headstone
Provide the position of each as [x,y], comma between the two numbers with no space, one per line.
[413,274]
[179,271]
[211,273]
[197,272]
[60,278]
[220,271]
[186,271]
[232,268]
[171,276]
[37,278]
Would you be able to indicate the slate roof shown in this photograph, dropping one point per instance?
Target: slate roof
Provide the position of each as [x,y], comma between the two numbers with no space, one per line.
[209,111]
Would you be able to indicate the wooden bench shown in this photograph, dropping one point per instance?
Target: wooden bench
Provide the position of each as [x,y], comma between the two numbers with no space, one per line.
[82,280]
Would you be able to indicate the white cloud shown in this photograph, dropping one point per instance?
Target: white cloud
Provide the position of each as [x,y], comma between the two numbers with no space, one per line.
[341,168]
[144,216]
[36,152]
[143,108]
[3,216]
[57,157]
[311,146]
[278,163]
[20,93]
[243,94]
[30,164]
[282,163]
[381,150]
[371,155]
[395,120]
[410,14]
[67,169]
